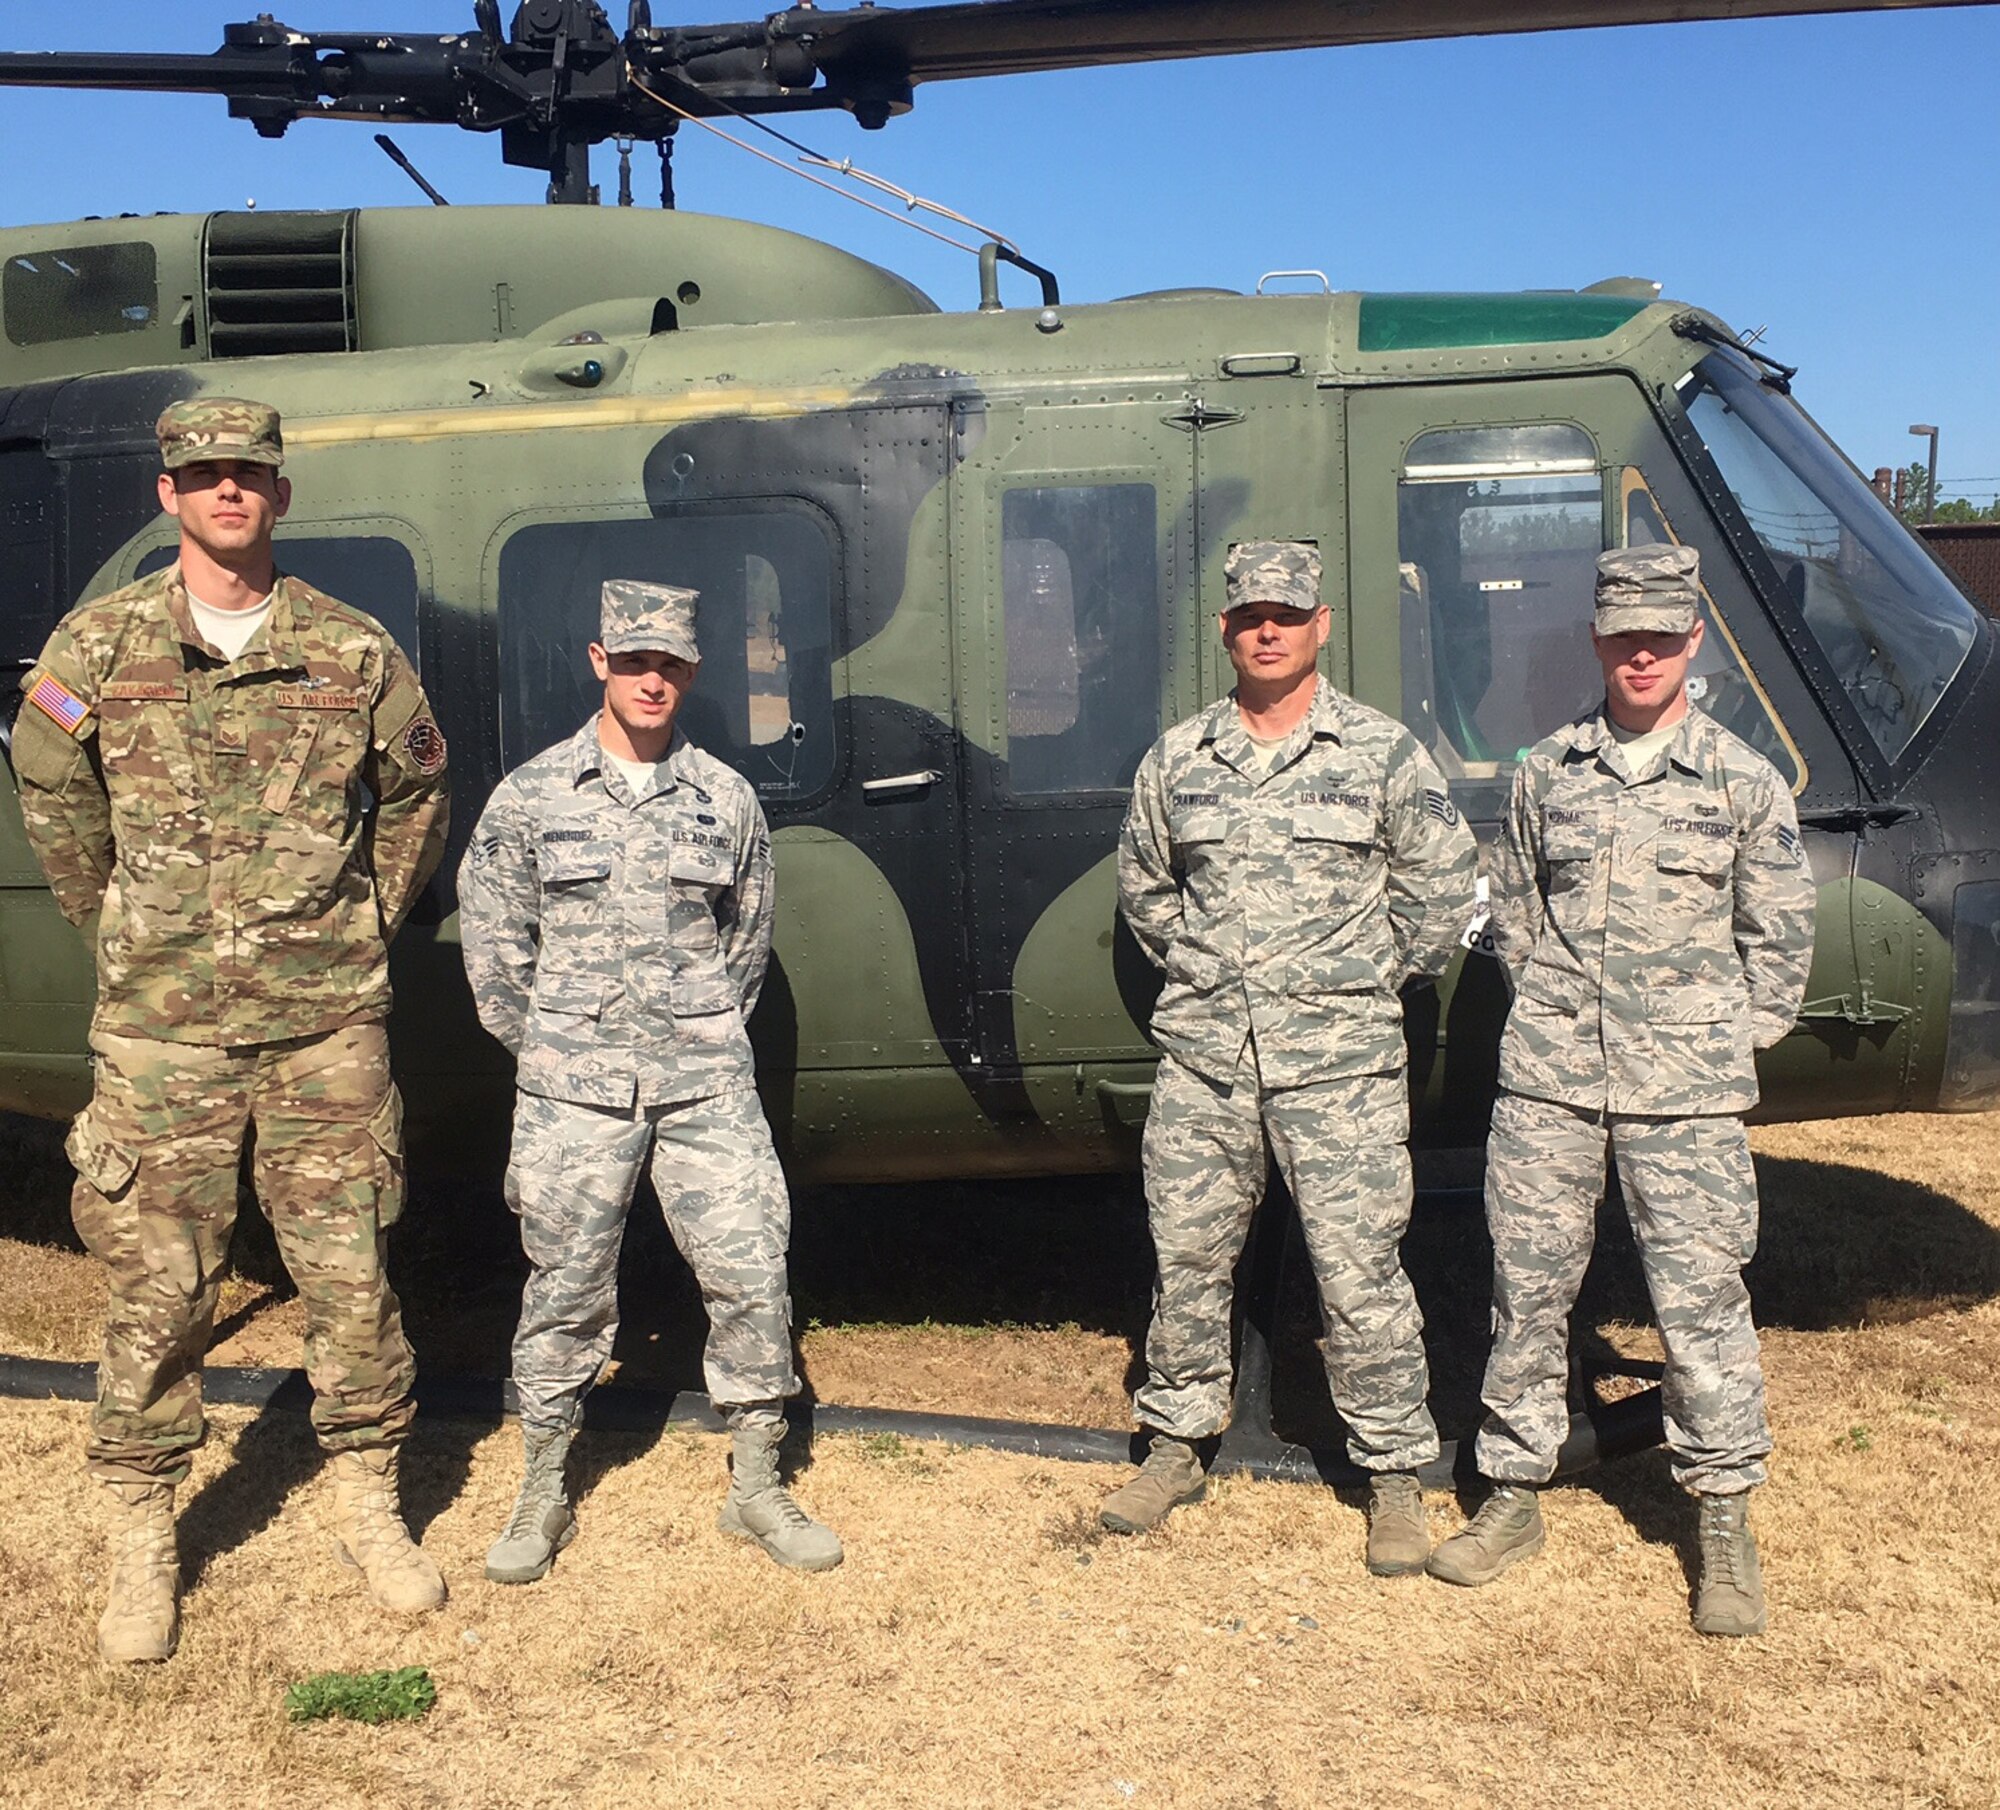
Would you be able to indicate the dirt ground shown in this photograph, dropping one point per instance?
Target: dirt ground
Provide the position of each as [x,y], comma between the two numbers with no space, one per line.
[983,1644]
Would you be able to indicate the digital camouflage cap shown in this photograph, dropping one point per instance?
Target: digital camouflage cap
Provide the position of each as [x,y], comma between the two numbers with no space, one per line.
[1272,571]
[220,427]
[1648,590]
[640,618]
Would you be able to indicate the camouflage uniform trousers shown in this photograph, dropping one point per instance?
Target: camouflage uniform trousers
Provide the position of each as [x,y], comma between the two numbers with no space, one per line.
[158,1153]
[1340,1145]
[1692,1198]
[571,1180]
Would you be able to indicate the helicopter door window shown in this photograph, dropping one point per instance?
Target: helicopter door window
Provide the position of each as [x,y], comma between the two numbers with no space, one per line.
[1889,621]
[370,571]
[1081,605]
[766,578]
[1719,678]
[79,292]
[1499,529]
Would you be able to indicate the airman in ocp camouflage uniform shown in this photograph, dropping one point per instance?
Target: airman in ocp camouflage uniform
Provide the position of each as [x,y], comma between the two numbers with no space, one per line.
[1291,858]
[239,838]
[1651,899]
[616,911]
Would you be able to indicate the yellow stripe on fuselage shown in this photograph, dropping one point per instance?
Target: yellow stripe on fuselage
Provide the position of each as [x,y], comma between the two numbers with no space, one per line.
[609,411]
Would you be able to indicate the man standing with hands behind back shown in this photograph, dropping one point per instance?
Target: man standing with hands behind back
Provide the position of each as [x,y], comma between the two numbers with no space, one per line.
[1291,858]
[237,791]
[1653,903]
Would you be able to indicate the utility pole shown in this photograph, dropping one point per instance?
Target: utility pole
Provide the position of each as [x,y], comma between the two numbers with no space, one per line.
[1930,491]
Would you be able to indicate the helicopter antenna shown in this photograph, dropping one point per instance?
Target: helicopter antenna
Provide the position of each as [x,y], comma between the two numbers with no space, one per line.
[394,152]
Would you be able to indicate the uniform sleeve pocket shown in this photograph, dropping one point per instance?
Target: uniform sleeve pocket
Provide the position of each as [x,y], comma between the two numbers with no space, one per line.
[105,1164]
[579,995]
[1696,854]
[572,864]
[1333,823]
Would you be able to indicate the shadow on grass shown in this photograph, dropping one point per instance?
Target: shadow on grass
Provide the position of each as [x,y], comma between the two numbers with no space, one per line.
[1841,1246]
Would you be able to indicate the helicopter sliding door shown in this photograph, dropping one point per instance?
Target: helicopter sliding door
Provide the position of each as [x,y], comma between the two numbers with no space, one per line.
[1073,588]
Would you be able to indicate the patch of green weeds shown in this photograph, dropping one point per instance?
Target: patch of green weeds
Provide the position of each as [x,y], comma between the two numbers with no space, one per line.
[404,1695]
[1858,1439]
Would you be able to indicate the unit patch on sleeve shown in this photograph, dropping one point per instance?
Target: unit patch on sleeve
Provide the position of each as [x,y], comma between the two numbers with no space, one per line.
[423,741]
[58,703]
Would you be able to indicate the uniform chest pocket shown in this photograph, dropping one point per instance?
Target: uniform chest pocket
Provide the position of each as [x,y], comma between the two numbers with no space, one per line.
[1568,838]
[570,866]
[697,864]
[1696,860]
[1200,825]
[1343,823]
[142,732]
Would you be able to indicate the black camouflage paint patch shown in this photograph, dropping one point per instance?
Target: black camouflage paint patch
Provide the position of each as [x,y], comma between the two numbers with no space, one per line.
[423,741]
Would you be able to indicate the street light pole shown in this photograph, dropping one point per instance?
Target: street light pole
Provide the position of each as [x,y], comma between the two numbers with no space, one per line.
[1930,488]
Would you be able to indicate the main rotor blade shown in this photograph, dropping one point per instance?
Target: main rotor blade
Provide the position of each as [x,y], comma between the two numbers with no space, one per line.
[998,37]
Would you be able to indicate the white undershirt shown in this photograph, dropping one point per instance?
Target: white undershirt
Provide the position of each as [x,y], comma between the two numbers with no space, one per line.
[1640,745]
[1269,748]
[230,630]
[639,774]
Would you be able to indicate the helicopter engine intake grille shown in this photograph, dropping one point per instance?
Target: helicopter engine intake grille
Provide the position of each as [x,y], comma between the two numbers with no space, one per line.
[276,283]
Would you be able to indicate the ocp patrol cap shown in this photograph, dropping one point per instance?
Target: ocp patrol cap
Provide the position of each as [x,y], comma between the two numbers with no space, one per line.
[1284,572]
[1648,590]
[219,427]
[640,618]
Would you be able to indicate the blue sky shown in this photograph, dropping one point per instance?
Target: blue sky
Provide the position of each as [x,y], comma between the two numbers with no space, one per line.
[1831,179]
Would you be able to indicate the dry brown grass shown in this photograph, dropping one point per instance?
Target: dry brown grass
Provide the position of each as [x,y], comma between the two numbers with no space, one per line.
[983,1645]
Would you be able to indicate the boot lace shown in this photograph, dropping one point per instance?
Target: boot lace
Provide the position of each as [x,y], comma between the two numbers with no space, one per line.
[1498,1508]
[1721,1550]
[541,1489]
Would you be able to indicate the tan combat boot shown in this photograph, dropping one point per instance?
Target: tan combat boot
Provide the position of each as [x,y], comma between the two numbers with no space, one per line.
[1507,1528]
[543,1522]
[760,1508]
[1399,1538]
[1730,1599]
[1171,1475]
[142,1621]
[370,1536]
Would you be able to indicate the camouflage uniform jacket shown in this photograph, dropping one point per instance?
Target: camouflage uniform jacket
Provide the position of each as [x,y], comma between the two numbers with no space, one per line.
[1658,925]
[1290,906]
[615,943]
[209,820]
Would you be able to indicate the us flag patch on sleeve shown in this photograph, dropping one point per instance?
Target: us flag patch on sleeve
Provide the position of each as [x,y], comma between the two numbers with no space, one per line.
[58,703]
[1440,806]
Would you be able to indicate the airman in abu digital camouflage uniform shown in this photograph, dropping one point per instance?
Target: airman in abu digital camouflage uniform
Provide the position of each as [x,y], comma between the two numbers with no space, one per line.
[616,911]
[1291,858]
[1652,901]
[203,813]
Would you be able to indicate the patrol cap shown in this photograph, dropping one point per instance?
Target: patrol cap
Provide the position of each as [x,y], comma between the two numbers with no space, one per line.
[1648,590]
[219,427]
[640,618]
[1272,571]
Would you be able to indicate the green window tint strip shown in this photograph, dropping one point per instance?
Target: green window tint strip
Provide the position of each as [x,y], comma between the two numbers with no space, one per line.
[1404,323]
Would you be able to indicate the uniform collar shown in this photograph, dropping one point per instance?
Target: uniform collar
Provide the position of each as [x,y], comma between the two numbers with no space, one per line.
[1693,742]
[587,757]
[276,650]
[1224,732]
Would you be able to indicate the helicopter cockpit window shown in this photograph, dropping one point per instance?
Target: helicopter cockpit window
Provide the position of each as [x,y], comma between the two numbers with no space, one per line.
[79,292]
[1892,625]
[764,622]
[1719,678]
[1080,593]
[1498,533]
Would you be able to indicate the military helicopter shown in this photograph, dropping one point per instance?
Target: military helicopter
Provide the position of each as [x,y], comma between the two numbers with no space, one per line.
[958,569]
